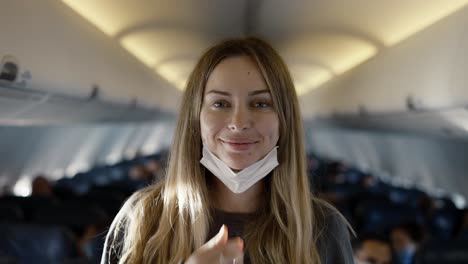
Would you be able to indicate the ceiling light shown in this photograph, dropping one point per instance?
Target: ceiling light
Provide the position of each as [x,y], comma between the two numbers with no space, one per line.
[308,77]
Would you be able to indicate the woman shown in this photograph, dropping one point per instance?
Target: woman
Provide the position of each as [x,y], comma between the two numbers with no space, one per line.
[237,165]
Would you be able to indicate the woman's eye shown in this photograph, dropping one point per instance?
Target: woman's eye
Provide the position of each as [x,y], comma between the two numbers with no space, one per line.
[219,104]
[262,104]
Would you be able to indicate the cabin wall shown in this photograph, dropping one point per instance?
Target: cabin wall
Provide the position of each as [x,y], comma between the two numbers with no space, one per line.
[431,163]
[58,151]
[66,54]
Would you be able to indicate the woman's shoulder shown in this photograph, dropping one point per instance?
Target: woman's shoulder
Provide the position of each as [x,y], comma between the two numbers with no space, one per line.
[325,213]
[333,233]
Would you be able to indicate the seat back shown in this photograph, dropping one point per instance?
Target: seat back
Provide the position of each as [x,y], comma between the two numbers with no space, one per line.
[29,243]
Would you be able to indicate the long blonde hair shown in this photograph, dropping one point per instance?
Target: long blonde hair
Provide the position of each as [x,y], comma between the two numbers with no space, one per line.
[166,222]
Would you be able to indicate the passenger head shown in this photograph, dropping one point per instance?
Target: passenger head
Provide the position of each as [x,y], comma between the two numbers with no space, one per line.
[140,173]
[405,239]
[265,64]
[372,249]
[405,234]
[238,121]
[282,127]
[153,165]
[426,204]
[465,219]
[40,186]
[368,181]
[155,168]
[463,225]
[335,172]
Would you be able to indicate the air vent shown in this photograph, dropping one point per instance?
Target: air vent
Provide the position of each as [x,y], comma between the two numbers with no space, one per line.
[412,104]
[363,110]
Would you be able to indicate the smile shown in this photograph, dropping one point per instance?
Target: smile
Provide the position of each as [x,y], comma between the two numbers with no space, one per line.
[239,145]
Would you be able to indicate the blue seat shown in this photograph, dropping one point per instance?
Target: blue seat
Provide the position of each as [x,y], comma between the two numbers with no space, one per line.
[28,243]
[353,175]
[379,216]
[405,196]
[74,186]
[443,223]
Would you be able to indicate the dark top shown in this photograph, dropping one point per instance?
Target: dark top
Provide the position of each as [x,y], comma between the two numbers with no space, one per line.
[334,245]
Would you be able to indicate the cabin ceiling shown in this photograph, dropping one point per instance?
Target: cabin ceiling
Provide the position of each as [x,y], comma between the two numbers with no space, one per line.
[319,39]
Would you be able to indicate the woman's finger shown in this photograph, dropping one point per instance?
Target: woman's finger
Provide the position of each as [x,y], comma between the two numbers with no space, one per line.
[233,251]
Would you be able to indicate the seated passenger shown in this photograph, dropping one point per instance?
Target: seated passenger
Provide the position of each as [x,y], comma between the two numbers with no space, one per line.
[138,177]
[463,231]
[372,249]
[40,186]
[156,168]
[406,239]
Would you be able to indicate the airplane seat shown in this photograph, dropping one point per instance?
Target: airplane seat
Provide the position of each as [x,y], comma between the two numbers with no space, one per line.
[112,190]
[446,252]
[63,192]
[445,203]
[117,173]
[30,243]
[11,213]
[399,195]
[110,203]
[130,185]
[373,216]
[315,164]
[443,223]
[345,191]
[353,175]
[101,176]
[29,205]
[76,217]
[95,247]
[315,171]
[106,175]
[72,186]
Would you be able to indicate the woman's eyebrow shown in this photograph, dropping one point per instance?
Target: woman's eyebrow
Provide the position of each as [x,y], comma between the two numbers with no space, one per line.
[218,92]
[228,94]
[259,92]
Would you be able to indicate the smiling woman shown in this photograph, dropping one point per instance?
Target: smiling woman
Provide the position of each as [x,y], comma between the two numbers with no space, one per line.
[238,166]
[238,120]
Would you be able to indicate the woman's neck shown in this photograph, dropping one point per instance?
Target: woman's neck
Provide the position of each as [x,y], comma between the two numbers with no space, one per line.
[246,202]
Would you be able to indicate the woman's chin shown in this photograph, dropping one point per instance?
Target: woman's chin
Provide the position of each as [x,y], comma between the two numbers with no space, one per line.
[239,166]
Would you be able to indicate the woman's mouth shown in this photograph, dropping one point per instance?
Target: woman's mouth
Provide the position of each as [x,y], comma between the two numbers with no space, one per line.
[239,145]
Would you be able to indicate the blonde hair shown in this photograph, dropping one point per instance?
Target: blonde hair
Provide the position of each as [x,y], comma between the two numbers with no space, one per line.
[166,222]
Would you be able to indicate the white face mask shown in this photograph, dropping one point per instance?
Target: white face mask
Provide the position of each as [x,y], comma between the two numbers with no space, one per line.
[244,179]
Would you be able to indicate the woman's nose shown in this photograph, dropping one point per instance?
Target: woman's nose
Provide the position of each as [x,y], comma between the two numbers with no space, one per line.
[240,119]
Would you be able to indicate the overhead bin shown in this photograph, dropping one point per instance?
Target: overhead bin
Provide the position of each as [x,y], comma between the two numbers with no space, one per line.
[19,106]
[59,52]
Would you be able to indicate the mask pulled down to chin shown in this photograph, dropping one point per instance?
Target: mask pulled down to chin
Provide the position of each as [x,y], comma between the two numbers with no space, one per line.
[241,181]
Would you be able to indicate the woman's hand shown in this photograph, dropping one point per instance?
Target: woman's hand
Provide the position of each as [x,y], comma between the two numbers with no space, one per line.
[219,250]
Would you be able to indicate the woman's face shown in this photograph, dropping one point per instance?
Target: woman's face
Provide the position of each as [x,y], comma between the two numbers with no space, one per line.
[238,121]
